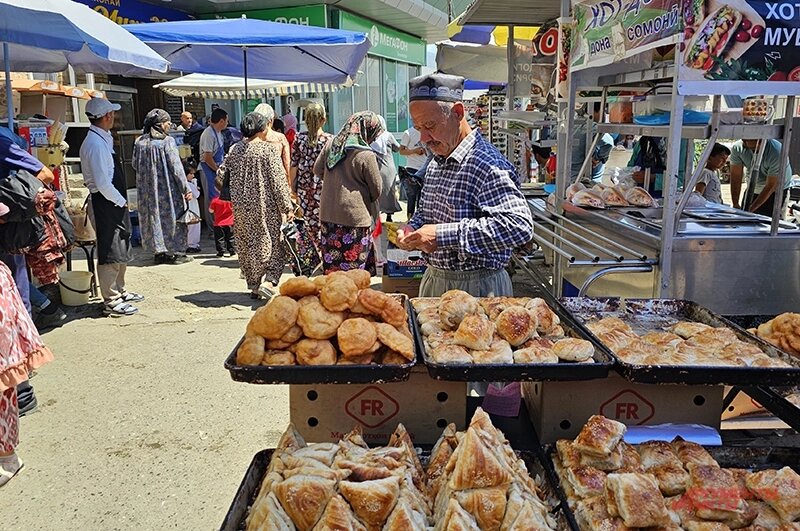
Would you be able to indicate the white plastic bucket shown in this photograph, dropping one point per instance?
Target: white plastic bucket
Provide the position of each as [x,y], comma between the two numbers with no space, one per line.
[75,287]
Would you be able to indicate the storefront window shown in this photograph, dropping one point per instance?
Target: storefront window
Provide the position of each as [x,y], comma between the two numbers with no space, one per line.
[343,108]
[374,95]
[402,97]
[360,92]
[390,94]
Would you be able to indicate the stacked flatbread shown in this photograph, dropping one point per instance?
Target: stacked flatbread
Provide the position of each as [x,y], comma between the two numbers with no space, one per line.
[474,481]
[611,485]
[461,329]
[684,343]
[329,320]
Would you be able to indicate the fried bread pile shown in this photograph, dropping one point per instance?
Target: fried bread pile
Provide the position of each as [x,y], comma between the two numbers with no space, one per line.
[473,482]
[611,485]
[460,328]
[783,332]
[329,320]
[684,343]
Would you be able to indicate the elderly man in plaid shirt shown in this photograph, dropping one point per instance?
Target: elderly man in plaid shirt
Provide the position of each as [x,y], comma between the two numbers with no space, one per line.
[472,212]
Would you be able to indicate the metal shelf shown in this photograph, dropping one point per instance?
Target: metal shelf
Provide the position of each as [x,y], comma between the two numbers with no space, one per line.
[652,74]
[528,118]
[544,143]
[730,132]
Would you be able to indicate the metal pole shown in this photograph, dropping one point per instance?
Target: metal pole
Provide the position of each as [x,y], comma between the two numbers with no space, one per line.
[511,58]
[244,55]
[777,204]
[9,94]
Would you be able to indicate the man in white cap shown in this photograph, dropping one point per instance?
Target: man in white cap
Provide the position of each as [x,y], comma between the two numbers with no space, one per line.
[103,176]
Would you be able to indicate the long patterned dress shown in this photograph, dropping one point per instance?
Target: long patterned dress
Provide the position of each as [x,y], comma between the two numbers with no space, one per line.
[308,187]
[21,351]
[160,185]
[259,195]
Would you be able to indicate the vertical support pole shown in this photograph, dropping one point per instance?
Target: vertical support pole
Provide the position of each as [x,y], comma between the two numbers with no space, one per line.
[511,58]
[9,94]
[246,95]
[777,204]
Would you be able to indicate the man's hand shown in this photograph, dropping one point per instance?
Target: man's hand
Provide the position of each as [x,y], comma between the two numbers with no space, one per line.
[423,239]
[45,175]
[403,233]
[420,151]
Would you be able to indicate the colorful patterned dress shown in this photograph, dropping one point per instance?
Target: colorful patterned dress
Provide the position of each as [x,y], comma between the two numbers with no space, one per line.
[161,185]
[308,187]
[21,351]
[259,196]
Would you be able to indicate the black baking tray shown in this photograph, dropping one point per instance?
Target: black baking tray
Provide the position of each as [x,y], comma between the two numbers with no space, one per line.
[747,457]
[655,314]
[523,372]
[322,374]
[248,488]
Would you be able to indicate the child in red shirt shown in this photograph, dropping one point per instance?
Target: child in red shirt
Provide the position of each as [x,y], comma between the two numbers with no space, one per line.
[223,225]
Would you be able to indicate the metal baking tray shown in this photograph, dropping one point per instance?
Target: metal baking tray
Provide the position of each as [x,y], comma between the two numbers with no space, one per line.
[750,458]
[519,372]
[322,374]
[645,315]
[248,488]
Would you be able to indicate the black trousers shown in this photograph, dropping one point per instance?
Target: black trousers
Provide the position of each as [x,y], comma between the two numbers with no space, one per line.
[766,208]
[223,238]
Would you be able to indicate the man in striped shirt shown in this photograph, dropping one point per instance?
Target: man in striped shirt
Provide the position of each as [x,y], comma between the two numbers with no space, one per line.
[472,213]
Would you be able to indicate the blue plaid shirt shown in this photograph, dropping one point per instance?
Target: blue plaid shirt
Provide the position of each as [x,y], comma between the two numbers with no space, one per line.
[473,198]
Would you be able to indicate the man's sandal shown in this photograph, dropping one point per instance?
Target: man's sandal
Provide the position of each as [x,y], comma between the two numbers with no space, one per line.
[120,309]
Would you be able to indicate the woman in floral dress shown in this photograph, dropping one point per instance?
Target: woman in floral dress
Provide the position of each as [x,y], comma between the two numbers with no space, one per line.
[307,147]
[351,187]
[260,201]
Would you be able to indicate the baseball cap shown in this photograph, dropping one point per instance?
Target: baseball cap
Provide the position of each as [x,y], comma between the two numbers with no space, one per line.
[99,107]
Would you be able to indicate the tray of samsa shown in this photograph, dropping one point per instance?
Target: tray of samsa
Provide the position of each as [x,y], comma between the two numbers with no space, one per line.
[471,480]
[606,483]
[504,339]
[678,341]
[330,329]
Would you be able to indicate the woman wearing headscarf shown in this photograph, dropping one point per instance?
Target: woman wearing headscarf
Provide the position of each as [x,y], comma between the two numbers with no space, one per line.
[351,186]
[384,147]
[266,110]
[308,186]
[260,200]
[290,127]
[162,190]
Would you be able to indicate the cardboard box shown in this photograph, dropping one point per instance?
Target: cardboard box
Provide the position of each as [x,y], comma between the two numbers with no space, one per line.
[408,286]
[404,264]
[741,405]
[560,409]
[327,412]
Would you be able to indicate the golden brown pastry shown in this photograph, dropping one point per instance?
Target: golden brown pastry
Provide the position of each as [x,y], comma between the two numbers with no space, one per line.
[767,517]
[525,512]
[315,352]
[608,324]
[588,198]
[659,459]
[571,349]
[365,359]
[292,336]
[639,197]
[304,499]
[687,329]
[449,353]
[516,325]
[356,337]
[662,339]
[715,338]
[637,500]
[477,465]
[454,306]
[389,309]
[494,306]
[546,318]
[394,358]
[395,340]
[539,342]
[338,294]
[592,514]
[275,318]
[251,351]
[428,315]
[404,518]
[705,479]
[535,354]
[599,436]
[320,281]
[569,455]
[279,357]
[499,352]
[317,322]
[487,506]
[338,516]
[372,501]
[702,525]
[298,287]
[360,277]
[424,303]
[457,519]
[608,463]
[475,332]
[613,197]
[586,481]
[308,300]
[267,514]
[780,489]
[692,454]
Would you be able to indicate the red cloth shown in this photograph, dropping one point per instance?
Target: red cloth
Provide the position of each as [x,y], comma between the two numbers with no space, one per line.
[223,213]
[291,134]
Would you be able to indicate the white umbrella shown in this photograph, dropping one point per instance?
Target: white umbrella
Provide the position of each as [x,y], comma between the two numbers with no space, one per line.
[229,88]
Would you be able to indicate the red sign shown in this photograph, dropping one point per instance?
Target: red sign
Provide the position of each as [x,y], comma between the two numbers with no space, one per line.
[372,407]
[628,407]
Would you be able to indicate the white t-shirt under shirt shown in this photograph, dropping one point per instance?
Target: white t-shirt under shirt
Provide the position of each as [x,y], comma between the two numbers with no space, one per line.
[210,141]
[713,191]
[411,140]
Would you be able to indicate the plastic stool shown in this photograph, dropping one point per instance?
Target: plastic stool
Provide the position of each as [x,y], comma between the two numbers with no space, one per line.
[88,248]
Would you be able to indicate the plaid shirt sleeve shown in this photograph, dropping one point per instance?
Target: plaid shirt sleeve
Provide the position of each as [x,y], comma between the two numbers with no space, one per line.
[504,221]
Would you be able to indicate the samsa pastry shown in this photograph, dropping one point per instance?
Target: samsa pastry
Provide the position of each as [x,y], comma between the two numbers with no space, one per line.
[487,506]
[608,324]
[639,197]
[499,352]
[613,197]
[607,463]
[279,357]
[574,189]
[475,332]
[516,325]
[395,340]
[356,337]
[599,436]
[275,318]
[535,354]
[692,454]
[298,287]
[338,294]
[454,306]
[449,353]
[404,518]
[636,499]
[617,340]
[338,516]
[708,478]
[780,489]
[546,318]
[308,299]
[687,329]
[571,349]
[317,322]
[662,339]
[315,352]
[251,351]
[478,465]
[267,514]
[592,514]
[424,303]
[586,481]
[304,499]
[456,518]
[394,358]
[588,198]
[372,501]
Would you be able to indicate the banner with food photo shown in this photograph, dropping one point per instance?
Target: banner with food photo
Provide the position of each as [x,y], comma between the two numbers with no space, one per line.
[738,42]
[544,51]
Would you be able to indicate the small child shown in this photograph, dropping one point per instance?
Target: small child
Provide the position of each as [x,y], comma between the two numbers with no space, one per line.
[194,229]
[708,184]
[223,225]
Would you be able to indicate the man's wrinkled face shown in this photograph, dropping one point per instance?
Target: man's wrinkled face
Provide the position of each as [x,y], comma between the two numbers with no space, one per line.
[186,120]
[438,129]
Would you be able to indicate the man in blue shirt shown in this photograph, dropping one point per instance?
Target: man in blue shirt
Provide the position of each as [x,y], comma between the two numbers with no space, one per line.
[601,151]
[772,178]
